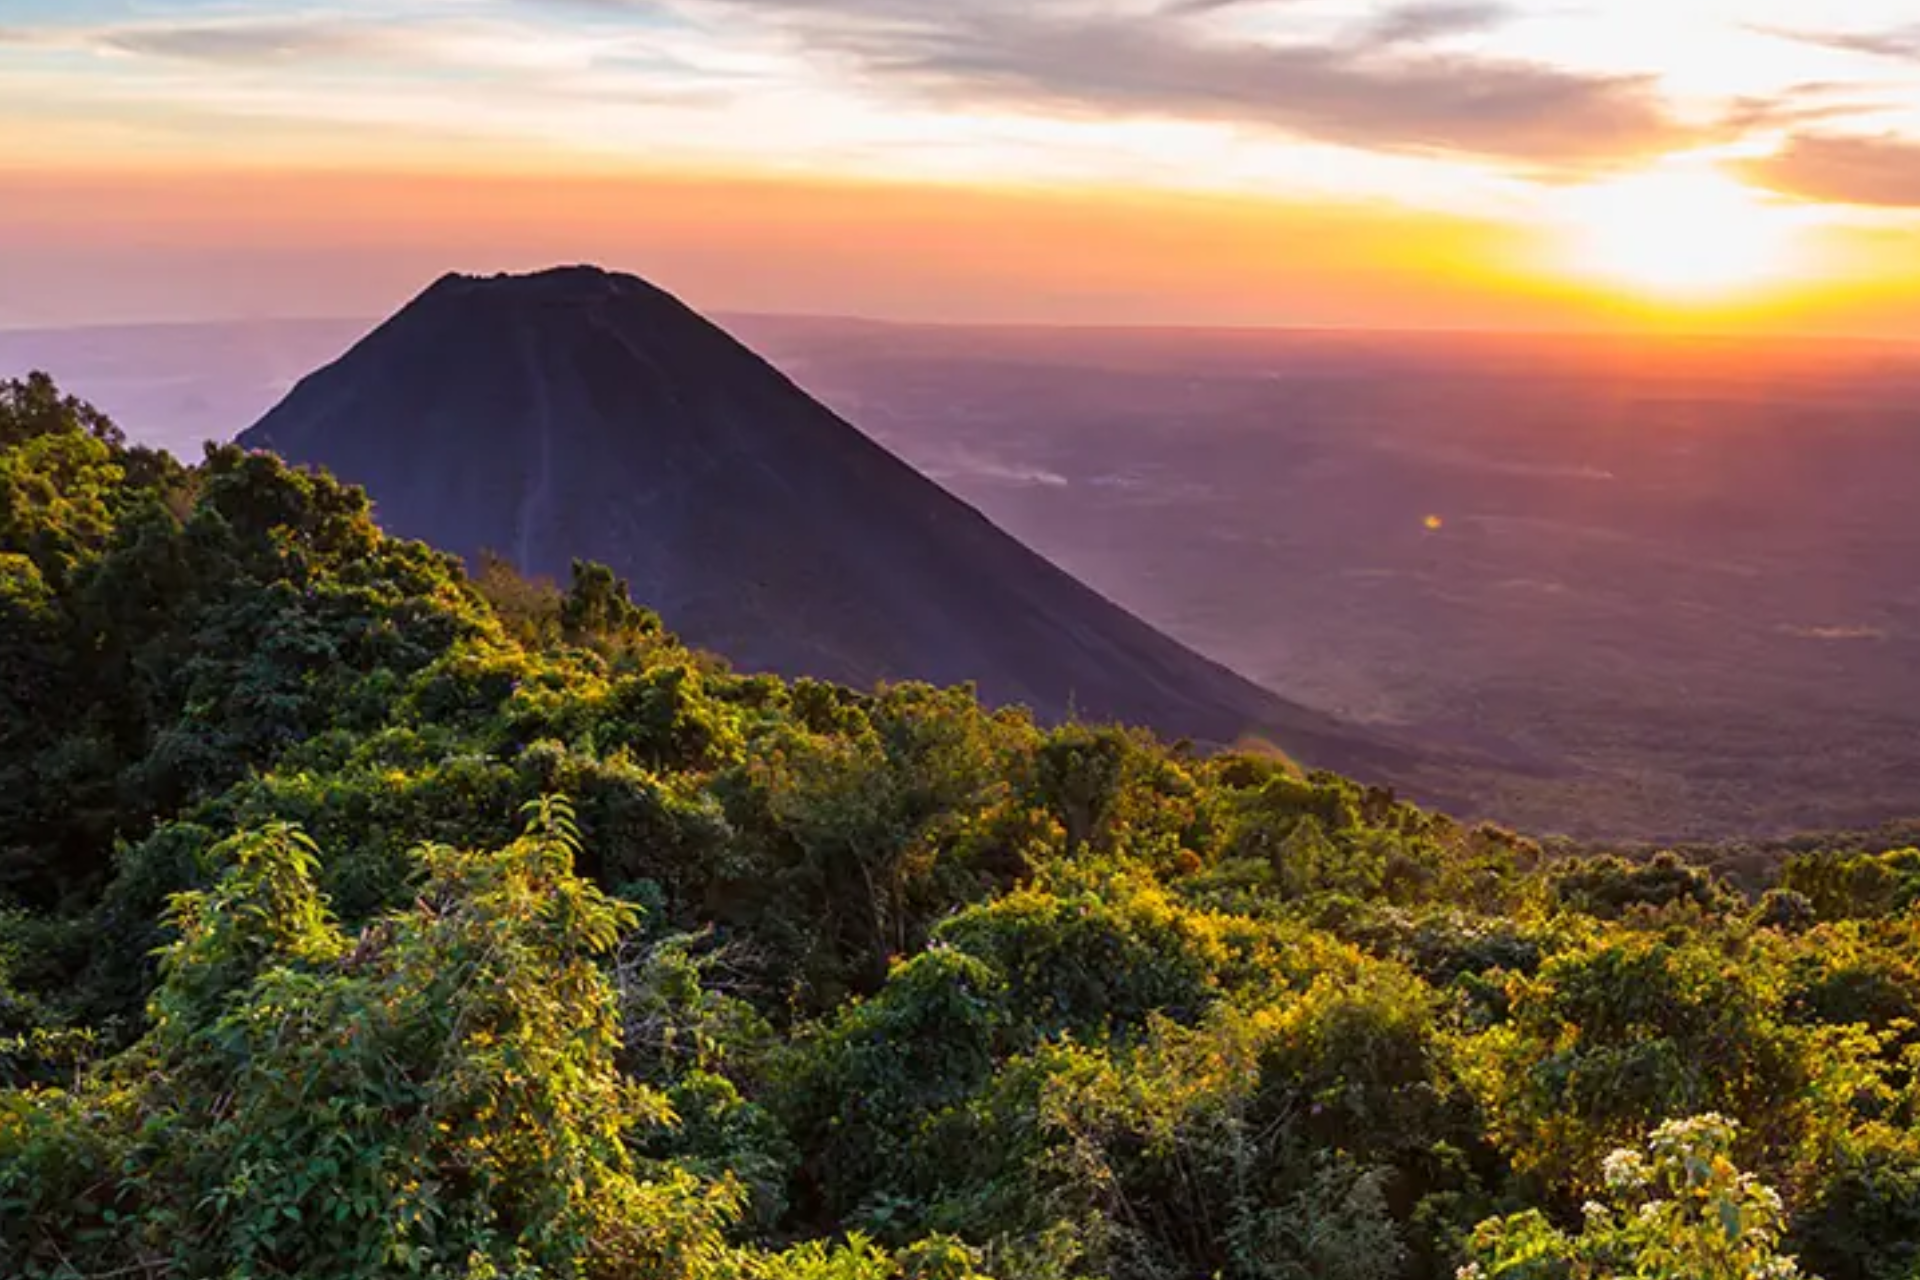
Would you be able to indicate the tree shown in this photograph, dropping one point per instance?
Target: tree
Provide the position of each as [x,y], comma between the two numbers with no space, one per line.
[1615,1036]
[598,606]
[33,406]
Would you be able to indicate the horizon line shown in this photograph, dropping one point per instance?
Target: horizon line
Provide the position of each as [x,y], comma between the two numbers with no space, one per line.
[1192,328]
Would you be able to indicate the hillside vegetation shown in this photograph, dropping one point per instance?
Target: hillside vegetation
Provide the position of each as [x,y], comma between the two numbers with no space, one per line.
[367,919]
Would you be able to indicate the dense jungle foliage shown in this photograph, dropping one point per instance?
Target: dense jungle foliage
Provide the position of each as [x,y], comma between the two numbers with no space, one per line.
[363,918]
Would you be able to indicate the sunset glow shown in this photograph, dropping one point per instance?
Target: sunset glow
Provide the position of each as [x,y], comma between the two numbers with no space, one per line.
[1503,163]
[1680,234]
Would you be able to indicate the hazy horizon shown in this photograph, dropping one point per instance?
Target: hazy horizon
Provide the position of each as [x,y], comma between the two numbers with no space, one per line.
[1599,329]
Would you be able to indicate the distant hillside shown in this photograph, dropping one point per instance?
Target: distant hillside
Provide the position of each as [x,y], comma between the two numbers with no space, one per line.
[577,413]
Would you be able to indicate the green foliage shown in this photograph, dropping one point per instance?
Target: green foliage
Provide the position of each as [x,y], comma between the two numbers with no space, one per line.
[1093,964]
[435,1093]
[33,407]
[1846,886]
[528,608]
[1843,975]
[873,833]
[306,971]
[1785,910]
[1610,1038]
[863,1096]
[1609,887]
[1862,1220]
[599,608]
[1191,1155]
[1077,777]
[1680,1211]
[188,638]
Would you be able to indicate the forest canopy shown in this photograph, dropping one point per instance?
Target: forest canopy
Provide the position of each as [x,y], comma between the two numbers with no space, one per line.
[361,915]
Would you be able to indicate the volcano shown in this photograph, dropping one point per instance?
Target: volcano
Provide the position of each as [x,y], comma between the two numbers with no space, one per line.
[577,413]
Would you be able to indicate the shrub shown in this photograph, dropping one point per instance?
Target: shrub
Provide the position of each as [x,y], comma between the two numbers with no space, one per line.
[1679,1211]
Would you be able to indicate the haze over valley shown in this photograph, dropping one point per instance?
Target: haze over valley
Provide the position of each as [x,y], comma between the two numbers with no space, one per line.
[1678,570]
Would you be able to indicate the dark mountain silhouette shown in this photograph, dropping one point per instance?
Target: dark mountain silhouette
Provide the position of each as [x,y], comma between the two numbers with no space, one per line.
[577,413]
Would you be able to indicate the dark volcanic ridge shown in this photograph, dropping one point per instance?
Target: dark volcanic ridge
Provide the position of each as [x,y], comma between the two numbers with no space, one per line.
[580,413]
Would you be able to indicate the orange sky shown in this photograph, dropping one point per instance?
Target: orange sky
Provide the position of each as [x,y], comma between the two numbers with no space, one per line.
[1685,164]
[228,242]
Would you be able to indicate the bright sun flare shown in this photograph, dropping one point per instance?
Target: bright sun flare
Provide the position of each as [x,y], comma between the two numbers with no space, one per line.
[1683,233]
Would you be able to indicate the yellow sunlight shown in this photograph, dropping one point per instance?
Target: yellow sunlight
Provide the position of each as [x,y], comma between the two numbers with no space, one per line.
[1681,233]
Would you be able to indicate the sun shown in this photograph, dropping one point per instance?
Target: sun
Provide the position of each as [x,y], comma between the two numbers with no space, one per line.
[1682,233]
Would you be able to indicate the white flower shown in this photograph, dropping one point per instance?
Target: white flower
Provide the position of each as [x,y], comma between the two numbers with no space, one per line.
[1624,1170]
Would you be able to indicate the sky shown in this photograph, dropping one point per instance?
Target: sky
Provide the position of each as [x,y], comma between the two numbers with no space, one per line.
[1690,164]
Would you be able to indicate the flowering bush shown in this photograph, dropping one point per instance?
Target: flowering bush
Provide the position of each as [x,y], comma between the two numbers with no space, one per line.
[1680,1211]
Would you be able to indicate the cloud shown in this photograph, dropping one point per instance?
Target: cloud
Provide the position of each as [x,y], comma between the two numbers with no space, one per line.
[26,37]
[1881,172]
[1190,8]
[567,59]
[238,41]
[248,42]
[1378,90]
[1431,19]
[1797,107]
[1900,43]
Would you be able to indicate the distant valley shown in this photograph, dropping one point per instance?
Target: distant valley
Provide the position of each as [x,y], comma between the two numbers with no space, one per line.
[1679,573]
[1684,570]
[178,385]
